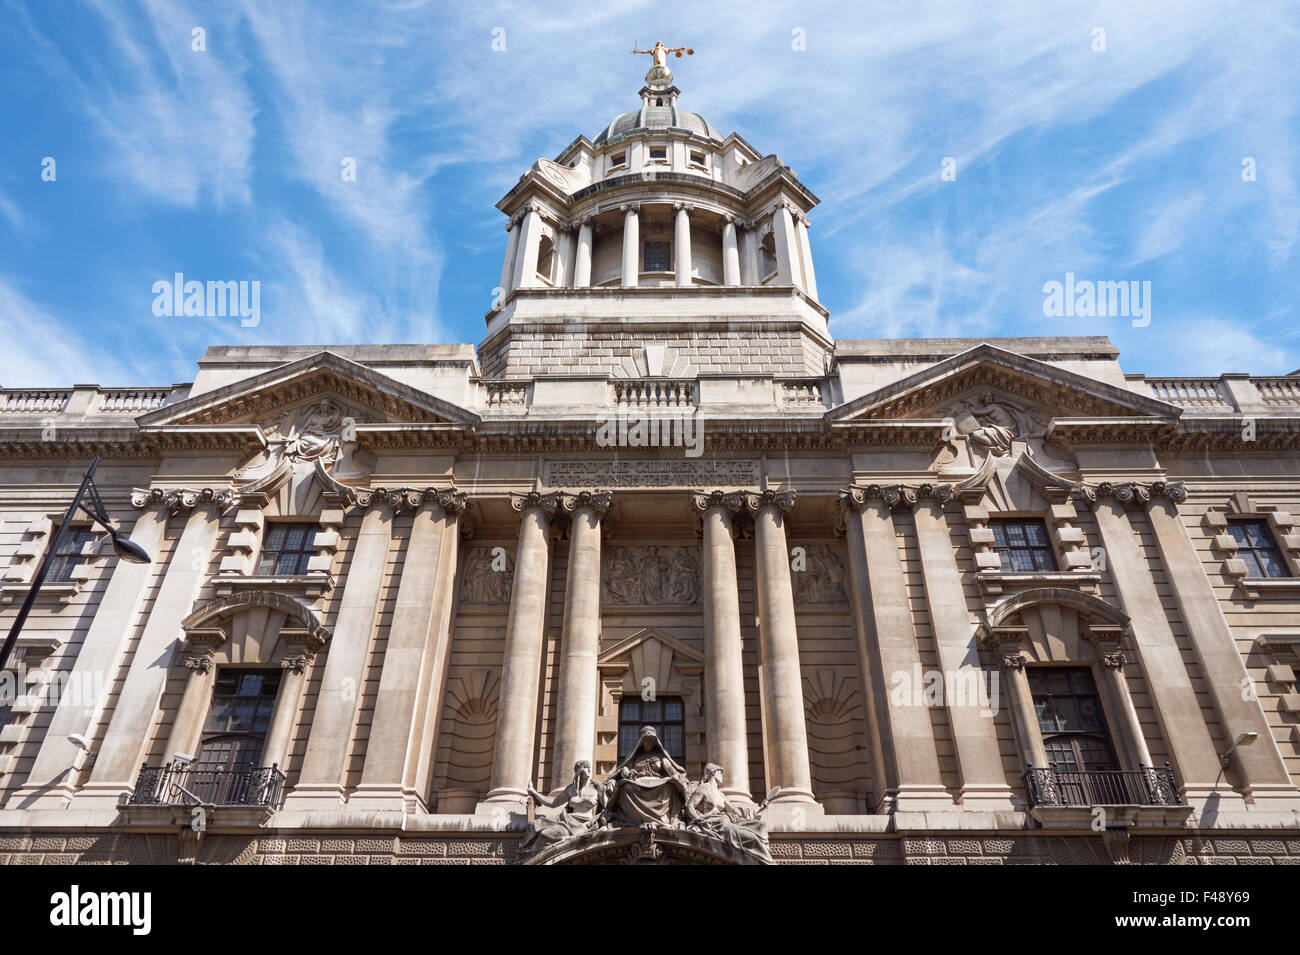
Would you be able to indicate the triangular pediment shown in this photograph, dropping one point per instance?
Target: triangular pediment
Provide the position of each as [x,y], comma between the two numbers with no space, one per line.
[654,639]
[1030,386]
[369,395]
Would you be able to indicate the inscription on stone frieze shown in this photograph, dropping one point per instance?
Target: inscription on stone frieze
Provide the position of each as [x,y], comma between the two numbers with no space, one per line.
[652,472]
[488,575]
[651,576]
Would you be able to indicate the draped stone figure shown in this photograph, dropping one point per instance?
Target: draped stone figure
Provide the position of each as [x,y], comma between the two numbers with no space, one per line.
[708,811]
[580,803]
[647,786]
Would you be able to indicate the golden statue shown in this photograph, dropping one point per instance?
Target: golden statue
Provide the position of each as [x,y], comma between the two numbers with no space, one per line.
[660,53]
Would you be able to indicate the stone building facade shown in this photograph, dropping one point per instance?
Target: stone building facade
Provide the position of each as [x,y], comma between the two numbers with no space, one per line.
[945,600]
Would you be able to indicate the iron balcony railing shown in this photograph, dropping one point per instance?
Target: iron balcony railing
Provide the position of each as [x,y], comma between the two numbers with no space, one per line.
[1145,786]
[182,784]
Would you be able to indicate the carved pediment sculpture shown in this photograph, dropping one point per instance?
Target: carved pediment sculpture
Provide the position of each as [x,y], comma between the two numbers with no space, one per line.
[315,435]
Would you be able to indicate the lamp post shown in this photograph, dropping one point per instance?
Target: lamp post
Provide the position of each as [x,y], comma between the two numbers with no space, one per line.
[121,545]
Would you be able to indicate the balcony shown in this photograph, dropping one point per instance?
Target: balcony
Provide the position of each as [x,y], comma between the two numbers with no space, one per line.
[1145,786]
[177,784]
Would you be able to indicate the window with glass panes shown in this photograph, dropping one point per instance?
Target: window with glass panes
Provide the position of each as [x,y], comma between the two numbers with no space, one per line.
[1071,719]
[287,549]
[1255,545]
[666,714]
[1023,545]
[65,560]
[240,714]
[657,257]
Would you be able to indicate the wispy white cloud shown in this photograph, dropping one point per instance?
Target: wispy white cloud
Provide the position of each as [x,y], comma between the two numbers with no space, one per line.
[42,349]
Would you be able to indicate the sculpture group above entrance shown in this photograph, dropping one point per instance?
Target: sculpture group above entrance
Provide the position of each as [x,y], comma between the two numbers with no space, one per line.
[645,810]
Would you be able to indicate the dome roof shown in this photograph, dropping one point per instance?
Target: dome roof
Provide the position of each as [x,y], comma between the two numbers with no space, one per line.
[657,117]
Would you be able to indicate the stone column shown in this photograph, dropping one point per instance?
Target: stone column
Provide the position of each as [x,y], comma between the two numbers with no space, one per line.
[884,764]
[787,246]
[1182,722]
[682,243]
[324,767]
[892,639]
[1260,766]
[50,783]
[530,236]
[631,245]
[1009,644]
[582,267]
[130,728]
[413,657]
[1113,683]
[975,740]
[288,704]
[730,252]
[521,670]
[508,266]
[187,727]
[805,255]
[724,668]
[579,680]
[785,735]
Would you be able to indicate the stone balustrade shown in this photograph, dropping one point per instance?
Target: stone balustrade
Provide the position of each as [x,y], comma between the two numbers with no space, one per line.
[1226,394]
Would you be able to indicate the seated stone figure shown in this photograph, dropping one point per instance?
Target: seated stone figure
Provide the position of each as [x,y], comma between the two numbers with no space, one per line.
[647,787]
[582,801]
[709,812]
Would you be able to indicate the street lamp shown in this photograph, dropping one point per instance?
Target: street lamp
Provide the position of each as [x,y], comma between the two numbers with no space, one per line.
[1245,739]
[124,548]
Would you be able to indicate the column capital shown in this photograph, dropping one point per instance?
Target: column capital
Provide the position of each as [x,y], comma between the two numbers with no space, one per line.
[1132,492]
[894,496]
[598,501]
[297,663]
[780,500]
[526,500]
[630,208]
[585,219]
[687,207]
[704,501]
[181,499]
[201,663]
[1106,638]
[1009,643]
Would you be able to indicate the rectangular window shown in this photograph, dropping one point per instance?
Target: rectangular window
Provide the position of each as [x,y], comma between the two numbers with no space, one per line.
[1256,547]
[666,715]
[697,158]
[657,257]
[287,549]
[658,153]
[618,159]
[1023,545]
[65,561]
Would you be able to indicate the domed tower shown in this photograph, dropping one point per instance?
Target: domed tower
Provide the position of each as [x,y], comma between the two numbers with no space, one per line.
[658,248]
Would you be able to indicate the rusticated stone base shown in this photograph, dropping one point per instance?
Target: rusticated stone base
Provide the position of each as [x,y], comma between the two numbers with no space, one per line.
[1029,848]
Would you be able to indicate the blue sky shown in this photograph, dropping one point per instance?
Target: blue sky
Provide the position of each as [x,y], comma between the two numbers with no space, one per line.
[1122,163]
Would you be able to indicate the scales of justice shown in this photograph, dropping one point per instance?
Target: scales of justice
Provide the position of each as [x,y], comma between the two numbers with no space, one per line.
[659,74]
